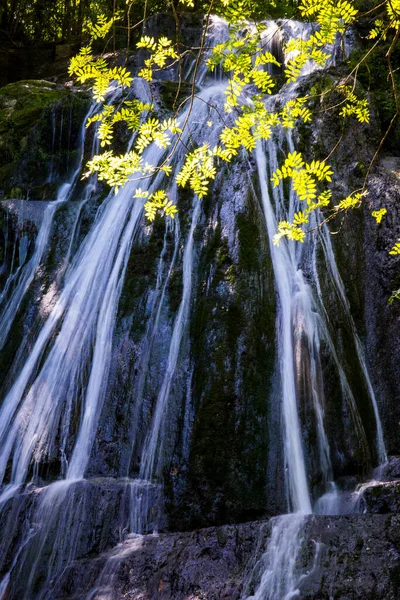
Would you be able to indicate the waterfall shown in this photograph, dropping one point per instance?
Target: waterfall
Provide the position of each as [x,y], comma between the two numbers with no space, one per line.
[53,405]
[298,316]
[53,409]
[278,563]
[67,368]
[23,277]
[87,307]
[151,452]
[301,323]
[153,329]
[104,586]
[285,269]
[331,262]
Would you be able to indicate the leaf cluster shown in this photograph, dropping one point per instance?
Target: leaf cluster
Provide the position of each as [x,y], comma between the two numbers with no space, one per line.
[157,202]
[248,66]
[160,51]
[86,68]
[305,178]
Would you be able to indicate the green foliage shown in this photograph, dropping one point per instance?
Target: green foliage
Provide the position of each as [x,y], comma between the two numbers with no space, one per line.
[394,296]
[156,131]
[379,214]
[396,248]
[353,105]
[25,136]
[305,178]
[86,68]
[130,112]
[63,20]
[115,170]
[198,170]
[383,26]
[372,74]
[235,56]
[244,60]
[158,201]
[161,51]
[332,18]
[100,29]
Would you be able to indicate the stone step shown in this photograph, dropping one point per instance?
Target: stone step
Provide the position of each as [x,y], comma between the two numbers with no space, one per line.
[345,557]
[391,470]
[379,497]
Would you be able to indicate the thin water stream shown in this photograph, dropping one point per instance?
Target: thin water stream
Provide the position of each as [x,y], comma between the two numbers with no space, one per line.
[23,277]
[300,326]
[54,405]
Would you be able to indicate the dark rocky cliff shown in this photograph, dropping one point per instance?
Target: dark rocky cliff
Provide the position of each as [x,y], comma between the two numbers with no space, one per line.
[358,557]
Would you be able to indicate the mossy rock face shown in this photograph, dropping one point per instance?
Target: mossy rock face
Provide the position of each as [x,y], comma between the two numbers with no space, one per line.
[373,76]
[39,130]
[173,93]
[22,103]
[232,338]
[141,271]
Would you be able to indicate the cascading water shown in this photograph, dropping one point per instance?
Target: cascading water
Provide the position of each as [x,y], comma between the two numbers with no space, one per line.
[68,365]
[20,281]
[152,452]
[279,561]
[302,322]
[331,262]
[52,410]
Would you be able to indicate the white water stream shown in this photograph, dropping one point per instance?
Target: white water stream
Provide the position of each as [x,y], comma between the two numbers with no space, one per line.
[152,451]
[69,363]
[23,277]
[300,328]
[66,372]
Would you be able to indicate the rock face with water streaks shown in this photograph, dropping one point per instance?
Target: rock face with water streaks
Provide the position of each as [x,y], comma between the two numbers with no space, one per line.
[39,137]
[358,557]
[197,312]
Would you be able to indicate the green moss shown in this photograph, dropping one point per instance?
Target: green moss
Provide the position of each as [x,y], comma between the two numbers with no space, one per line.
[13,342]
[212,246]
[371,77]
[231,274]
[322,84]
[185,203]
[175,289]
[360,450]
[248,242]
[16,193]
[29,148]
[21,103]
[141,269]
[232,330]
[223,257]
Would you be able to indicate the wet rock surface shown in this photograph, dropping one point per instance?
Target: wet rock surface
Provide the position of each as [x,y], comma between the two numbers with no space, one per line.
[39,137]
[392,469]
[225,450]
[382,318]
[343,558]
[359,557]
[381,497]
[85,518]
[26,211]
